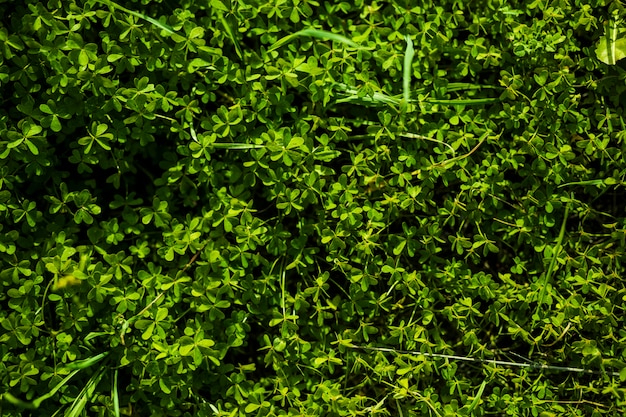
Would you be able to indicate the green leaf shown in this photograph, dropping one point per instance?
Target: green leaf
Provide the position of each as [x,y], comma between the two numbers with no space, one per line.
[610,49]
[231,34]
[610,52]
[217,4]
[55,124]
[147,333]
[205,343]
[100,129]
[31,147]
[251,407]
[162,313]
[187,346]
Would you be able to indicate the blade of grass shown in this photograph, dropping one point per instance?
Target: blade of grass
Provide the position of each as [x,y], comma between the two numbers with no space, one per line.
[470,86]
[409,53]
[76,366]
[315,33]
[400,414]
[376,98]
[379,97]
[85,363]
[142,16]
[226,145]
[85,394]
[606,48]
[282,291]
[451,87]
[37,401]
[382,98]
[611,37]
[236,146]
[476,400]
[231,35]
[114,394]
[407,68]
[555,254]
[463,102]
[597,183]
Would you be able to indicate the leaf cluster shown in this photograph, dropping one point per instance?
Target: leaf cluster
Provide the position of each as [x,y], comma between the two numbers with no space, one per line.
[213,208]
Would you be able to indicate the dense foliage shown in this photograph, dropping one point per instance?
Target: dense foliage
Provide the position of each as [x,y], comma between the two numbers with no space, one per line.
[221,207]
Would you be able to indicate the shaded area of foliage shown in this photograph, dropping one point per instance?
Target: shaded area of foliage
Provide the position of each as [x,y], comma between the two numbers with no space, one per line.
[210,218]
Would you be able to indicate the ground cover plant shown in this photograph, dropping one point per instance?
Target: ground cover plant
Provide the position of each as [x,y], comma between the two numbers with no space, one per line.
[322,208]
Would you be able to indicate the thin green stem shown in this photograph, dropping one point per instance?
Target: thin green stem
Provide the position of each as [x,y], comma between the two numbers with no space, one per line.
[555,255]
[531,365]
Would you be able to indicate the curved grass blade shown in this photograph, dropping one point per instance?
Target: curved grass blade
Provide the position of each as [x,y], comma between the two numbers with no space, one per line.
[231,35]
[375,98]
[142,16]
[315,33]
[557,250]
[114,394]
[470,86]
[37,401]
[406,75]
[76,366]
[479,394]
[85,395]
[236,146]
[464,101]
[378,98]
[85,363]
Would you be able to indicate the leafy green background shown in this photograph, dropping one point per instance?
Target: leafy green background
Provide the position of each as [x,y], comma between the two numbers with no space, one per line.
[224,208]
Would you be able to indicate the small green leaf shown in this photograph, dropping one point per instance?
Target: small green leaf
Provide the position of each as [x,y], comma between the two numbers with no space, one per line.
[148,332]
[217,4]
[31,147]
[541,77]
[196,32]
[100,129]
[205,343]
[610,49]
[161,314]
[186,346]
[610,53]
[83,58]
[55,124]
[252,407]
